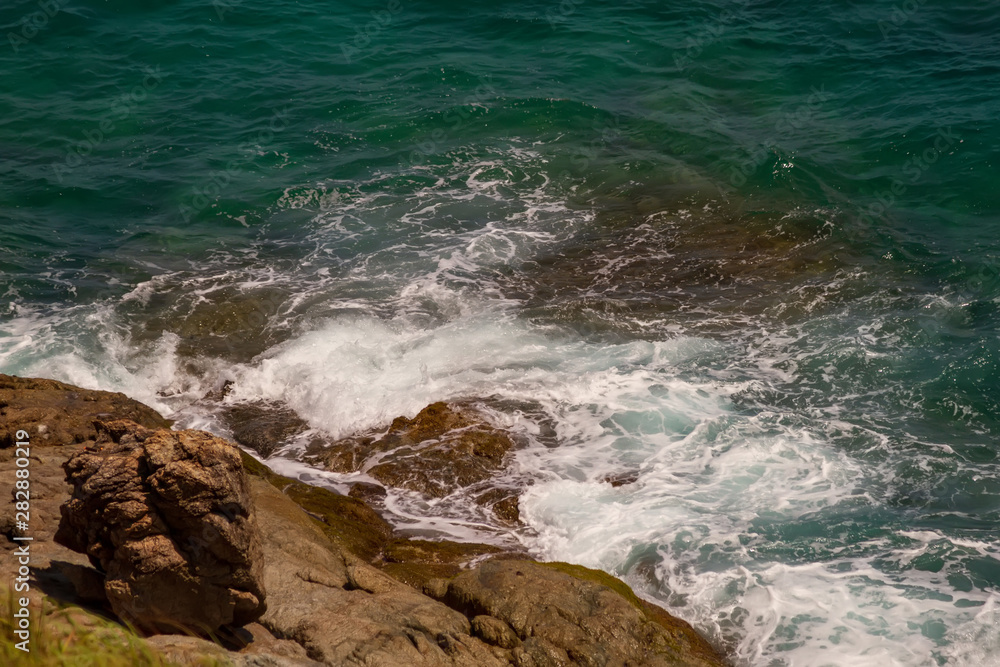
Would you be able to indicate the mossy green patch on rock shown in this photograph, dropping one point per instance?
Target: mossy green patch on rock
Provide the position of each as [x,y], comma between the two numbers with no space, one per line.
[598,577]
[415,562]
[681,636]
[258,469]
[437,552]
[347,521]
[567,614]
[353,525]
[66,634]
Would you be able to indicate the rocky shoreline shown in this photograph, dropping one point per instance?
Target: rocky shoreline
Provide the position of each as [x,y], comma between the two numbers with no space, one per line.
[158,527]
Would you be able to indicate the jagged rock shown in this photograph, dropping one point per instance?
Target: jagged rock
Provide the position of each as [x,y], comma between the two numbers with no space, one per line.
[167,517]
[566,614]
[343,610]
[501,612]
[336,574]
[54,413]
[503,503]
[444,448]
[353,526]
[622,479]
[262,426]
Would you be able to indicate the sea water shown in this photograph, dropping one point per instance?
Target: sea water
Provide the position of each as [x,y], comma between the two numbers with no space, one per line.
[740,255]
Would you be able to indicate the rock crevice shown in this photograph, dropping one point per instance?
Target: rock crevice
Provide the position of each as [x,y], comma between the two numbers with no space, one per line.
[167,517]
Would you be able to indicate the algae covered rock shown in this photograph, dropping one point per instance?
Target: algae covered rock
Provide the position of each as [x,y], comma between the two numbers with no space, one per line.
[167,517]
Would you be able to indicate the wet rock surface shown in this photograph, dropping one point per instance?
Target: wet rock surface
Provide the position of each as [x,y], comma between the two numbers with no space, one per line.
[343,589]
[345,611]
[227,322]
[443,448]
[261,426]
[166,516]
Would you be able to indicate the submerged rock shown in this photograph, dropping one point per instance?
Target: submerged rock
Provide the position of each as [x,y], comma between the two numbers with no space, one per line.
[444,448]
[649,266]
[622,478]
[504,504]
[227,322]
[167,518]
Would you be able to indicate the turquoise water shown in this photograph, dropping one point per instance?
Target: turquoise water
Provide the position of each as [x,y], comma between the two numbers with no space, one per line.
[746,251]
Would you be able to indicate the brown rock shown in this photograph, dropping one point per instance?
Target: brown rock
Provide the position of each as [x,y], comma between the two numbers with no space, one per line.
[503,503]
[87,582]
[366,491]
[494,631]
[261,426]
[54,413]
[444,448]
[196,652]
[336,575]
[346,612]
[565,614]
[416,562]
[49,490]
[347,521]
[232,323]
[622,478]
[261,641]
[614,280]
[167,517]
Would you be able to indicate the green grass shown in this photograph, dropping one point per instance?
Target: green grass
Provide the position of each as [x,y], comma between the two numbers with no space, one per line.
[69,636]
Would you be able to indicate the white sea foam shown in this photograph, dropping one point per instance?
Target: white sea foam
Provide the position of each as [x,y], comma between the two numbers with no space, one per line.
[82,345]
[751,522]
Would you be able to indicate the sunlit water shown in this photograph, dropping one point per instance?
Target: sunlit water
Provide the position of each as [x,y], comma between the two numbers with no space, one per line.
[744,254]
